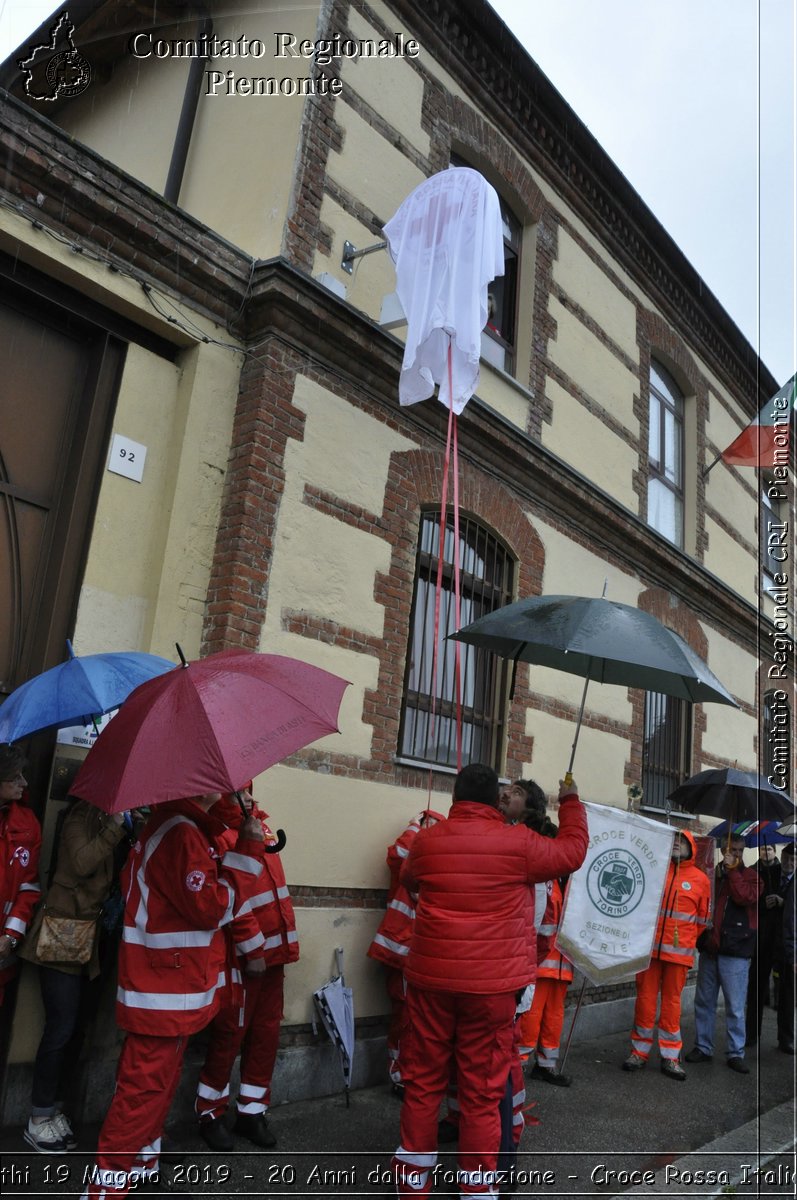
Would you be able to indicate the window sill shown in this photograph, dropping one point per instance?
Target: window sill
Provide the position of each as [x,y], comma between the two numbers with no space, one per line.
[435,768]
[668,812]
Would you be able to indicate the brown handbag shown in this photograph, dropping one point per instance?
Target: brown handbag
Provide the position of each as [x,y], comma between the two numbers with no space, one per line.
[65,939]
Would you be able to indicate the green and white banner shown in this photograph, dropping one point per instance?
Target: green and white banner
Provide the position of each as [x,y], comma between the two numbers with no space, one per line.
[612,901]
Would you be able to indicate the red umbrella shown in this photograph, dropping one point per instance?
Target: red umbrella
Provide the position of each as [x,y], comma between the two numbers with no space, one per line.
[208,726]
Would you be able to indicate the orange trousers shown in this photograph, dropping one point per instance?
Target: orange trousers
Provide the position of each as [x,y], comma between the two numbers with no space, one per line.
[541,1026]
[665,979]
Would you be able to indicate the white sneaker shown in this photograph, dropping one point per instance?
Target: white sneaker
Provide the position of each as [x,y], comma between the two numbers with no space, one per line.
[45,1136]
[61,1122]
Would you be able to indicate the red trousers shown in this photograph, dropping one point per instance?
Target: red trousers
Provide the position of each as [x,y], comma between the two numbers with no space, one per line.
[541,1026]
[668,979]
[394,981]
[129,1141]
[255,1032]
[476,1031]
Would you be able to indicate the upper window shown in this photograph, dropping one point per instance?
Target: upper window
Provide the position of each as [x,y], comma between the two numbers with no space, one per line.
[667,747]
[486,583]
[500,332]
[665,456]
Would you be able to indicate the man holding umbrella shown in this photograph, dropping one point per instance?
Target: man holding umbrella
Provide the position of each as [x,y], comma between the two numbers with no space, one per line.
[172,971]
[471,952]
[725,954]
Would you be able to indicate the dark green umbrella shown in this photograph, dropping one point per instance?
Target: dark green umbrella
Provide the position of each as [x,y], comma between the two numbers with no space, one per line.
[600,640]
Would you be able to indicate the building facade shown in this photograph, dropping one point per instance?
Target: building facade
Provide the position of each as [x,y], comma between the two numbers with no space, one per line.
[173,247]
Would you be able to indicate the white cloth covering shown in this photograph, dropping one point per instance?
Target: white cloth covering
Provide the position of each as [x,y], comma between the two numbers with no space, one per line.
[446,240]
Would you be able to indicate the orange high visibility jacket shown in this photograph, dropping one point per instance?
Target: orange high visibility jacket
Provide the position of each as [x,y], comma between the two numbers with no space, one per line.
[20,843]
[179,896]
[392,939]
[684,910]
[551,963]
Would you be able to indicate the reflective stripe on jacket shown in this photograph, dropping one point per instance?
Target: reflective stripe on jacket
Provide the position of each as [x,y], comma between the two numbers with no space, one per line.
[20,844]
[391,942]
[179,894]
[551,963]
[270,930]
[684,910]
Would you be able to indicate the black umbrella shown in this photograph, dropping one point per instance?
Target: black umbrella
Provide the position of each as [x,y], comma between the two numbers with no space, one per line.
[733,794]
[599,640]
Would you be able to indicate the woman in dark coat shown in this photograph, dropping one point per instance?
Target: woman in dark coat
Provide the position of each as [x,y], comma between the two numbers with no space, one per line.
[86,867]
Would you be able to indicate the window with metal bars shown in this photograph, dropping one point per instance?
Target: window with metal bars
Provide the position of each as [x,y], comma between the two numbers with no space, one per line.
[486,583]
[667,747]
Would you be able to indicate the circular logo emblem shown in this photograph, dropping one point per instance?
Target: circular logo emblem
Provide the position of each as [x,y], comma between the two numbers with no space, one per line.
[23,854]
[616,883]
[686,885]
[194,880]
[68,73]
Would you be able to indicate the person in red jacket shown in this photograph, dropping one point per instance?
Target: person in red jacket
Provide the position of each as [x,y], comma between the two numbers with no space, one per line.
[20,843]
[683,916]
[264,939]
[392,939]
[173,971]
[541,1025]
[725,955]
[470,954]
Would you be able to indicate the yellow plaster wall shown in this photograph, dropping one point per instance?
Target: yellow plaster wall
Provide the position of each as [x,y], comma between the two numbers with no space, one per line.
[149,561]
[334,813]
[392,86]
[511,401]
[734,666]
[591,288]
[730,561]
[240,166]
[600,759]
[592,367]
[726,494]
[132,120]
[584,441]
[730,735]
[323,566]
[721,427]
[320,930]
[367,165]
[374,276]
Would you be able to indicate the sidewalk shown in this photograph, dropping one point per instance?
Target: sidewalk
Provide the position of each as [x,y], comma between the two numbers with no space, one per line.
[592,1137]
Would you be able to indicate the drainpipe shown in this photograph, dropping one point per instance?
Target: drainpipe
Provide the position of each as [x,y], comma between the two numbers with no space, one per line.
[185,126]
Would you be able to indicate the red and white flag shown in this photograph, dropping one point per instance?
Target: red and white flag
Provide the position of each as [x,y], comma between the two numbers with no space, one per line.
[765,441]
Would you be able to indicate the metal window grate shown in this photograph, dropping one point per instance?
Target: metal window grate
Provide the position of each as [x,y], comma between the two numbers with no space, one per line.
[667,747]
[486,583]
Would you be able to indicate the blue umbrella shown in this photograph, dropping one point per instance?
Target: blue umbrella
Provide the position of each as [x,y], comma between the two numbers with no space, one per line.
[755,833]
[76,690]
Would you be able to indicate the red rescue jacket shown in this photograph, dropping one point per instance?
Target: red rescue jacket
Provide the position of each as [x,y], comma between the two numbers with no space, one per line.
[269,907]
[475,908]
[20,844]
[391,942]
[180,891]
